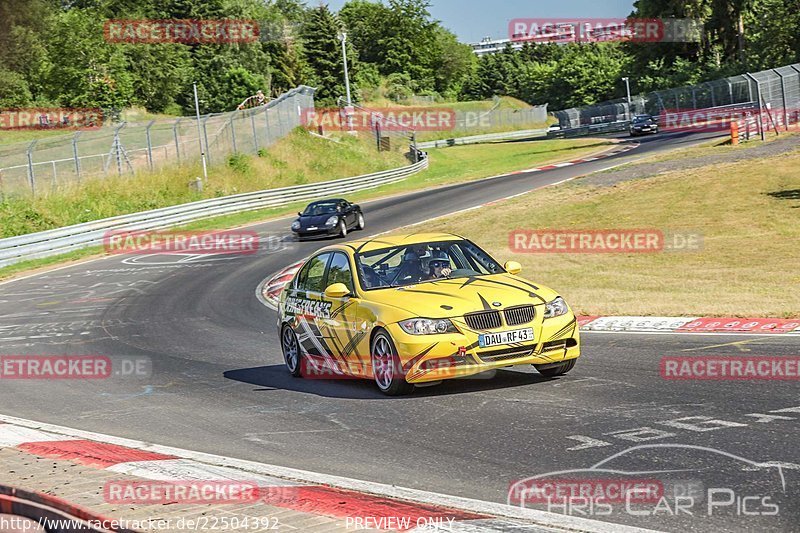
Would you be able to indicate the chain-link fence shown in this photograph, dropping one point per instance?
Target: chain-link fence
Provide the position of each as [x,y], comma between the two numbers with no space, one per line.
[47,163]
[375,126]
[772,96]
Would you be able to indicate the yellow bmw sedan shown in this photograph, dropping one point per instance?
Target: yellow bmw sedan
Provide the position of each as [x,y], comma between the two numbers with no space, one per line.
[419,308]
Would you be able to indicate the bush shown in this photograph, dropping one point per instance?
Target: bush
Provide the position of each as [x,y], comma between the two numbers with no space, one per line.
[240,163]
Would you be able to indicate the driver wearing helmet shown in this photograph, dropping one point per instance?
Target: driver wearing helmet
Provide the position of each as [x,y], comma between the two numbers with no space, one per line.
[439,265]
[411,269]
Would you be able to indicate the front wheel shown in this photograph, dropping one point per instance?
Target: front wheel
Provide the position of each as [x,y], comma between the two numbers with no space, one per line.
[342,229]
[558,370]
[291,351]
[386,367]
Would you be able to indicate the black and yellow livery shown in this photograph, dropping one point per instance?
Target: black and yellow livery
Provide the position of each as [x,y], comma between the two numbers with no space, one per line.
[420,308]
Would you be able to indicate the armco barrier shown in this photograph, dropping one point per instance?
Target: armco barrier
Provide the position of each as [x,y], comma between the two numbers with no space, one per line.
[490,137]
[62,240]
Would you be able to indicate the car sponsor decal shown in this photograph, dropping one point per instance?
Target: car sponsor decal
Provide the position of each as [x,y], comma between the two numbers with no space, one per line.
[304,306]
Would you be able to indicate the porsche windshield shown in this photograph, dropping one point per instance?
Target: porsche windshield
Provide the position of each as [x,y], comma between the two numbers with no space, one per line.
[422,263]
[315,210]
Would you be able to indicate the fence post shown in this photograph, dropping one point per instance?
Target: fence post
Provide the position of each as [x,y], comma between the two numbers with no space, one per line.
[783,98]
[118,148]
[713,101]
[266,123]
[730,90]
[177,145]
[75,154]
[205,138]
[758,94]
[149,144]
[31,177]
[255,133]
[233,135]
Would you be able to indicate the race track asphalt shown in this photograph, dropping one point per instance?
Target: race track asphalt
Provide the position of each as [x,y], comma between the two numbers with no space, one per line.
[218,384]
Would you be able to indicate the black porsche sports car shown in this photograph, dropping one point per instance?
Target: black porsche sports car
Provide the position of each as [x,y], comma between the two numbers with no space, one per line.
[642,125]
[328,217]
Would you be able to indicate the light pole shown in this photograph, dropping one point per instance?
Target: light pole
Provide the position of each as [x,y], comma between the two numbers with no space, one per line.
[348,110]
[199,135]
[343,38]
[628,90]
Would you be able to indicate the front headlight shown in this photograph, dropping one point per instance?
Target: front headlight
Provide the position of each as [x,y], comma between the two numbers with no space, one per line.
[295,225]
[556,308]
[332,221]
[426,326]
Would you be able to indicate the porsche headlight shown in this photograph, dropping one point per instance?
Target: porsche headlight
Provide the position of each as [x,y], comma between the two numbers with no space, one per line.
[426,326]
[332,221]
[556,308]
[295,225]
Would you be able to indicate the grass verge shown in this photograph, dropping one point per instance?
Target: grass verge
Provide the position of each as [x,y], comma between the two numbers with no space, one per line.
[297,159]
[451,165]
[747,213]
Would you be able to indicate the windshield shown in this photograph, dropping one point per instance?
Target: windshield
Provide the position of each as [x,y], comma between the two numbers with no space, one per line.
[315,210]
[641,119]
[422,263]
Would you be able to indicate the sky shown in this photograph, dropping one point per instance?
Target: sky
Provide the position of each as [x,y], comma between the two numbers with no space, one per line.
[473,20]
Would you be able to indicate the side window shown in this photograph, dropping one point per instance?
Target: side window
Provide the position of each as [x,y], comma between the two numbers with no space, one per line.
[312,277]
[339,271]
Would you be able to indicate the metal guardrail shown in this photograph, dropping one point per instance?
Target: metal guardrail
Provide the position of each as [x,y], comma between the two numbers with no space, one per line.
[489,137]
[608,127]
[63,240]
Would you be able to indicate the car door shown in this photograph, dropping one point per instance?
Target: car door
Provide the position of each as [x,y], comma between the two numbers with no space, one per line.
[349,214]
[306,305]
[343,329]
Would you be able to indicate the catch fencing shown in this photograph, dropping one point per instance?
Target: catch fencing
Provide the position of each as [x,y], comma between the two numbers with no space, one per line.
[775,93]
[128,147]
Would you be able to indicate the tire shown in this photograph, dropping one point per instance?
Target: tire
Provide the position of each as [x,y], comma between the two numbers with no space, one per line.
[386,367]
[360,221]
[554,371]
[342,229]
[291,352]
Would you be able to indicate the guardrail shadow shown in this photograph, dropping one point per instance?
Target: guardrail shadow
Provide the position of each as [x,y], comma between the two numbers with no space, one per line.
[276,377]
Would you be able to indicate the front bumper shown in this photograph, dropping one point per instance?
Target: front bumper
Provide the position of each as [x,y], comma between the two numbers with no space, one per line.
[427,358]
[319,232]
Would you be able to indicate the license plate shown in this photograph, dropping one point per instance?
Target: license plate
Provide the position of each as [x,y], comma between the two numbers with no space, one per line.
[313,228]
[505,337]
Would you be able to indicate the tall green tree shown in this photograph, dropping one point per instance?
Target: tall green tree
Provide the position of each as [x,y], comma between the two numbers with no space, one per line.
[323,53]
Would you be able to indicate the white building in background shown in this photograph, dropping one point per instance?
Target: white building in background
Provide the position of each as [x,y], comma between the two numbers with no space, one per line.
[562,33]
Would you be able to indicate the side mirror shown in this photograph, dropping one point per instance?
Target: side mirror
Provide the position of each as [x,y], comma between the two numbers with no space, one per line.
[337,290]
[299,214]
[512,267]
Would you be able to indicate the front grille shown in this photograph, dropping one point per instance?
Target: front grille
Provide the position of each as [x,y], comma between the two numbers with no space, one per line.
[519,315]
[483,320]
[494,356]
